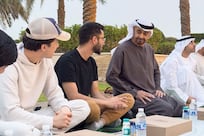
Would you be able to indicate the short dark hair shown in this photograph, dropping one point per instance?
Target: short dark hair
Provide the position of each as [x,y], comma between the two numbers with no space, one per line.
[88,30]
[35,45]
[8,49]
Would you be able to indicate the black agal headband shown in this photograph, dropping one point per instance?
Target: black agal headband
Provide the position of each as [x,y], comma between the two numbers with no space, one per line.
[144,26]
[182,39]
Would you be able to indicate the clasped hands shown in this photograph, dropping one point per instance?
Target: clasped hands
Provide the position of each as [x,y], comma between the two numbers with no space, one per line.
[62,118]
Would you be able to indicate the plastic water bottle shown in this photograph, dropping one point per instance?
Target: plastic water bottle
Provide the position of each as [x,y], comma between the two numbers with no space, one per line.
[126,127]
[185,114]
[140,123]
[193,113]
[193,110]
[46,130]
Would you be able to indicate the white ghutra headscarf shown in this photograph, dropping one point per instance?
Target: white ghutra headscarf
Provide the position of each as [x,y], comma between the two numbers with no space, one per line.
[200,45]
[179,47]
[182,43]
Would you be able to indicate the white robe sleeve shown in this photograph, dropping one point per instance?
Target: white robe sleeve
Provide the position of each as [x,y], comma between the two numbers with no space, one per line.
[53,91]
[169,73]
[10,108]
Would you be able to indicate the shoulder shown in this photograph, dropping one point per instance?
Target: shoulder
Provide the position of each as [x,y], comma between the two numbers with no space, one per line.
[92,60]
[148,46]
[70,56]
[47,62]
[10,72]
[170,61]
[123,47]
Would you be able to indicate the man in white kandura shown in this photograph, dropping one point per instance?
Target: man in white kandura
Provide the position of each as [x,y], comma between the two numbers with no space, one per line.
[177,76]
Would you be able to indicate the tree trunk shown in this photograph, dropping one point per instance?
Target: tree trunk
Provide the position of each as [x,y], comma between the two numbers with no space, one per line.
[61,14]
[185,17]
[89,11]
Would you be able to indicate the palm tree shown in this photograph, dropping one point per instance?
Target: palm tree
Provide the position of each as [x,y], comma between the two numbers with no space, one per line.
[89,10]
[185,17]
[61,13]
[11,10]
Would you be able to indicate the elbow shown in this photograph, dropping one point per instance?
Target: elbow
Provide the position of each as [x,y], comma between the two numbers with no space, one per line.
[72,97]
[109,80]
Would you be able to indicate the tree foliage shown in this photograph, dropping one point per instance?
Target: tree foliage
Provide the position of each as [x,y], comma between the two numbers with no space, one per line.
[113,35]
[156,39]
[11,10]
[166,46]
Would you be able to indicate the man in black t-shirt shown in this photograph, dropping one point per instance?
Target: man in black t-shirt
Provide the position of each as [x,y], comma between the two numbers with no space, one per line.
[77,75]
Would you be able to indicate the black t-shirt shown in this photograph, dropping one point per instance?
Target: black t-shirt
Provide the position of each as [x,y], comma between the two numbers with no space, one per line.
[71,67]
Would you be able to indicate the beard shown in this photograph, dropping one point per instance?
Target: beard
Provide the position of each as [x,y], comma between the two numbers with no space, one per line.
[139,41]
[97,49]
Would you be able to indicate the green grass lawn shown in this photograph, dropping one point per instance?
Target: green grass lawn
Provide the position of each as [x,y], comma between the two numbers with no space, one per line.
[102,87]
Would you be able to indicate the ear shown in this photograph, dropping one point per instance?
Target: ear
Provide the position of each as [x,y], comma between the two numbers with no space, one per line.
[43,47]
[94,39]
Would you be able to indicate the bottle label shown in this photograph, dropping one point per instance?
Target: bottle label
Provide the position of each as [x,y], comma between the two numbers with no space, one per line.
[141,126]
[126,131]
[193,114]
[186,112]
[132,128]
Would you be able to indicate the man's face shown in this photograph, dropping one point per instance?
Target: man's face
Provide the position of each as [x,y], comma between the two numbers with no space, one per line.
[2,68]
[201,51]
[50,50]
[190,48]
[140,36]
[97,48]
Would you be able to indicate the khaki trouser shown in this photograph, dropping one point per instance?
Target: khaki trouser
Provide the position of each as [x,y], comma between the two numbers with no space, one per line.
[109,115]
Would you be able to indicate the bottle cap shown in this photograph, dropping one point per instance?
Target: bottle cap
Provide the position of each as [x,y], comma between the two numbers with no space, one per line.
[141,109]
[125,120]
[185,107]
[192,100]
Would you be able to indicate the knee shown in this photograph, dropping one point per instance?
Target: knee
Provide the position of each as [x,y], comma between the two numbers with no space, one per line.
[84,107]
[168,110]
[130,99]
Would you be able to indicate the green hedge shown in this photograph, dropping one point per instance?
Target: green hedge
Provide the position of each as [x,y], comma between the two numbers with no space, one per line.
[166,46]
[156,39]
[113,34]
[198,36]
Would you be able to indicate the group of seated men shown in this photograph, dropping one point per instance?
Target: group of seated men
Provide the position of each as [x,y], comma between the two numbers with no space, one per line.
[71,86]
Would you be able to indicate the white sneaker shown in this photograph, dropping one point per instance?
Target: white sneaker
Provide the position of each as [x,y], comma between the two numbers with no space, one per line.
[95,125]
[115,123]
